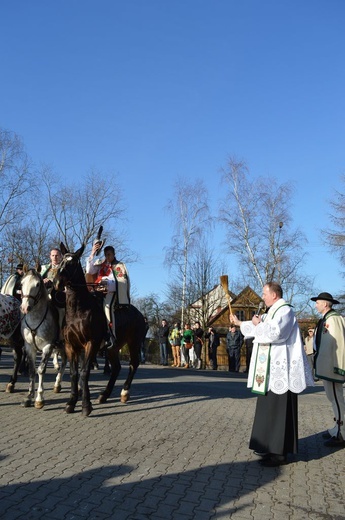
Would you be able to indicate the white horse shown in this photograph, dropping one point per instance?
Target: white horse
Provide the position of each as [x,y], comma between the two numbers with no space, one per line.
[40,330]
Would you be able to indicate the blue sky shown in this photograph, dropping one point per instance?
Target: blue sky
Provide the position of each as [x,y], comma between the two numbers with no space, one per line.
[153,90]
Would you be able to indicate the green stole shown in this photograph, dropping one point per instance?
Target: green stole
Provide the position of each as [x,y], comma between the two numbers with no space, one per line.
[262,364]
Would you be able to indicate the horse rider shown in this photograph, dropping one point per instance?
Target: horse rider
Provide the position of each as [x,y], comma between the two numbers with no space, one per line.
[48,273]
[112,279]
[12,286]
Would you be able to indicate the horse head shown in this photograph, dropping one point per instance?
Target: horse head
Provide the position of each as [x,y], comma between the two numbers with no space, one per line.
[33,289]
[70,271]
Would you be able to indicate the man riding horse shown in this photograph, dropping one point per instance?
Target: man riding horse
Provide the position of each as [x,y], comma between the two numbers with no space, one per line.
[110,277]
[12,285]
[48,273]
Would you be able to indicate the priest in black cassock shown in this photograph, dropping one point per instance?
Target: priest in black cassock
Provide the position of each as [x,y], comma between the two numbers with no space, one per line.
[278,372]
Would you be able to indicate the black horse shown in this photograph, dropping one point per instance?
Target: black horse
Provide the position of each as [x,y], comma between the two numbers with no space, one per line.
[86,328]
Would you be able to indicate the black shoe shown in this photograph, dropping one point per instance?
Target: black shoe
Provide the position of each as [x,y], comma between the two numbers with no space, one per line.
[273,461]
[262,454]
[335,442]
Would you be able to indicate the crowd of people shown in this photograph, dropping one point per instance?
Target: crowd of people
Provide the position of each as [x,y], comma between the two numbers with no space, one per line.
[186,345]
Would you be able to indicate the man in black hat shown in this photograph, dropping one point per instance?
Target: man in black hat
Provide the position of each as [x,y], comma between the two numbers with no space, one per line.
[330,363]
[12,286]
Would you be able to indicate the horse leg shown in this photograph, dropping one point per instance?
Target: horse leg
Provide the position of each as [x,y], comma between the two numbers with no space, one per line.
[17,343]
[133,365]
[31,358]
[84,382]
[17,358]
[56,361]
[61,371]
[113,357]
[46,353]
[73,363]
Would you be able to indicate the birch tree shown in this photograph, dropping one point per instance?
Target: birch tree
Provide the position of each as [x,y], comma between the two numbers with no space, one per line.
[334,237]
[190,215]
[257,215]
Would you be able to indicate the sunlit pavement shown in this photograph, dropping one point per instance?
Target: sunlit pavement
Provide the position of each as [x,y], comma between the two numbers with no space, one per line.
[178,450]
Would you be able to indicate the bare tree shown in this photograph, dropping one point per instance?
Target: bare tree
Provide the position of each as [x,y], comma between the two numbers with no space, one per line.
[155,310]
[335,238]
[79,209]
[15,178]
[17,183]
[256,213]
[190,216]
[205,292]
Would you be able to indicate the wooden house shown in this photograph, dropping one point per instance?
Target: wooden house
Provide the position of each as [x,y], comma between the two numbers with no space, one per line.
[244,305]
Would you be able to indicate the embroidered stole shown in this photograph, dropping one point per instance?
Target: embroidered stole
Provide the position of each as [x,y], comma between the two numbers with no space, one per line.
[262,364]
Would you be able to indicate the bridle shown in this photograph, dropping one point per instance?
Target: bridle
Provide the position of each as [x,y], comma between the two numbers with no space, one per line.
[69,284]
[34,298]
[35,301]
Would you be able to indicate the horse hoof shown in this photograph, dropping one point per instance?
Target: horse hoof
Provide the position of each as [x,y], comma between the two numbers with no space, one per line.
[86,411]
[124,398]
[101,399]
[57,389]
[69,408]
[39,404]
[10,388]
[26,403]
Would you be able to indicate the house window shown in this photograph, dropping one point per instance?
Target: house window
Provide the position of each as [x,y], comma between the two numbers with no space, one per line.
[240,315]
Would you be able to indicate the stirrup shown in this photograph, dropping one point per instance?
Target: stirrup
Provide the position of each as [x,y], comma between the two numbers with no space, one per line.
[110,344]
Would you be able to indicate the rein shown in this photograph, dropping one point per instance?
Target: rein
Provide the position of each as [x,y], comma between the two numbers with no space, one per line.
[33,331]
[35,300]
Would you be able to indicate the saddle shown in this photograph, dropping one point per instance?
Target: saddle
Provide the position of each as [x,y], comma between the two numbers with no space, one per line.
[58,298]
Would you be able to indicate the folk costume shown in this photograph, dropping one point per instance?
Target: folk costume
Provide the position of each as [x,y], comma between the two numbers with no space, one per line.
[12,285]
[330,365]
[115,277]
[49,271]
[278,371]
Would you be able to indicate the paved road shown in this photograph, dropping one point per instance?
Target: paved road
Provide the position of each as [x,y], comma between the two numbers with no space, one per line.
[178,450]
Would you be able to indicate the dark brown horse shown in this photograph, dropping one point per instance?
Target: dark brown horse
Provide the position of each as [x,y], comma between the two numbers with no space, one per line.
[86,328]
